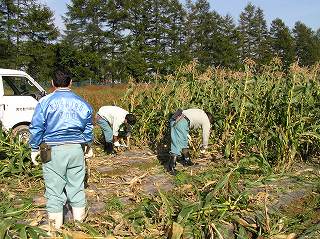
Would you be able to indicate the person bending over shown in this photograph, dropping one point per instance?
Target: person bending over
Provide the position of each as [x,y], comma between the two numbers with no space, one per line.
[180,124]
[115,122]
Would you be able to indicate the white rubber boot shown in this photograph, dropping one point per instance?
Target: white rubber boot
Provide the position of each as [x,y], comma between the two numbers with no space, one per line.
[56,218]
[79,213]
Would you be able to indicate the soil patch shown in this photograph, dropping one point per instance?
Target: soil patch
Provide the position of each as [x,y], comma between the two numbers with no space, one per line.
[126,176]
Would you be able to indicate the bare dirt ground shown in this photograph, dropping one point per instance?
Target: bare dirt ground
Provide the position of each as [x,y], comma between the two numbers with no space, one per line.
[124,175]
[131,174]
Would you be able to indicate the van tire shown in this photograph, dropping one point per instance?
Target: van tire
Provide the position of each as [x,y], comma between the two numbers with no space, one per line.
[22,133]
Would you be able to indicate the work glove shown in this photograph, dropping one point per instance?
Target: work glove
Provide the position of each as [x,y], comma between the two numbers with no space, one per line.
[203,150]
[88,152]
[117,144]
[34,155]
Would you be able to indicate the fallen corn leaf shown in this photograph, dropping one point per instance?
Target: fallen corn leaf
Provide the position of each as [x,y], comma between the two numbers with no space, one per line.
[177,231]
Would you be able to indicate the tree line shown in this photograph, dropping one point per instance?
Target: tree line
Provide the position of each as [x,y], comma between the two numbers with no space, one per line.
[110,40]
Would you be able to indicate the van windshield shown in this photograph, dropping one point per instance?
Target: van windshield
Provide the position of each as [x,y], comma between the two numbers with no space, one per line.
[20,86]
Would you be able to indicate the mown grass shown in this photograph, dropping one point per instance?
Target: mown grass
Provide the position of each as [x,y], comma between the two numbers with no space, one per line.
[99,96]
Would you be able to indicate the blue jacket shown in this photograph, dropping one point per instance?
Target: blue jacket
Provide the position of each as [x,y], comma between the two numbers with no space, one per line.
[59,118]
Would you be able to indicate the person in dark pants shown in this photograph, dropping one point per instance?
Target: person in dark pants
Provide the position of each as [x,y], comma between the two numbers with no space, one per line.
[180,124]
[62,121]
[115,122]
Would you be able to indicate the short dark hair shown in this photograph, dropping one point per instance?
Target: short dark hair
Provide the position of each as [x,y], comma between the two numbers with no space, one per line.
[210,117]
[61,79]
[131,119]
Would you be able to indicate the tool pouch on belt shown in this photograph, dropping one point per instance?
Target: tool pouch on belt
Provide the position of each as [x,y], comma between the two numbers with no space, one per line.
[45,152]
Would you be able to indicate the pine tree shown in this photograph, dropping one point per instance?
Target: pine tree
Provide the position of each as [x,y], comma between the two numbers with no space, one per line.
[79,63]
[263,41]
[137,39]
[168,41]
[307,49]
[115,14]
[27,30]
[318,34]
[8,13]
[282,42]
[39,34]
[225,43]
[200,27]
[173,35]
[84,33]
[317,39]
[247,31]
[254,35]
[84,21]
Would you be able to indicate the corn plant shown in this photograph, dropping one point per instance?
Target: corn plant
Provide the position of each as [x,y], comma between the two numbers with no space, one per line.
[211,208]
[15,157]
[12,213]
[269,114]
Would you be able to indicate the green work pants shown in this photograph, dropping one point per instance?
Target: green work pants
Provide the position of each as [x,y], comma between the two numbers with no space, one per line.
[106,129]
[179,136]
[64,177]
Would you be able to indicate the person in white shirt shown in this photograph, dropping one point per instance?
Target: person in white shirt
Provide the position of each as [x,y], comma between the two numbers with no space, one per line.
[115,122]
[181,123]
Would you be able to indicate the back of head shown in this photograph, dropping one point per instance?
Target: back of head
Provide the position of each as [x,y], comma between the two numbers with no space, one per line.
[210,117]
[61,79]
[131,119]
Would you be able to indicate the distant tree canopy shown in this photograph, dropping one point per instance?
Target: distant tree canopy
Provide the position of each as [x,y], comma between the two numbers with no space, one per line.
[110,40]
[27,37]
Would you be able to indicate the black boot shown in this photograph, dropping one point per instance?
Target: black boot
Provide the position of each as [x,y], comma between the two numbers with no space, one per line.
[108,147]
[172,165]
[186,160]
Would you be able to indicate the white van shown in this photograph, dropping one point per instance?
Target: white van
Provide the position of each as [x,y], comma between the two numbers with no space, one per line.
[19,95]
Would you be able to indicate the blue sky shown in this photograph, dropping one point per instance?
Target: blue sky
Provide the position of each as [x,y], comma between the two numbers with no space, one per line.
[290,11]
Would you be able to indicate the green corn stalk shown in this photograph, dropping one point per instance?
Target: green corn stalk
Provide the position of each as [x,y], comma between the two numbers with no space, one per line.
[15,157]
[222,203]
[11,220]
[264,114]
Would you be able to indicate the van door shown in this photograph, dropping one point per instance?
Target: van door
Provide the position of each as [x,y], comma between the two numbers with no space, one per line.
[18,100]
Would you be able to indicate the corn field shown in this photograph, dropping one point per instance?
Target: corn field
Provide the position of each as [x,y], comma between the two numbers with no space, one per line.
[264,121]
[270,114]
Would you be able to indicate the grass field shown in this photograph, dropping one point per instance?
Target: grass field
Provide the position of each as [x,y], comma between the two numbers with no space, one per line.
[102,95]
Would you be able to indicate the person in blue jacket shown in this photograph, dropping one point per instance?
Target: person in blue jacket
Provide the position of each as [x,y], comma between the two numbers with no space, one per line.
[63,121]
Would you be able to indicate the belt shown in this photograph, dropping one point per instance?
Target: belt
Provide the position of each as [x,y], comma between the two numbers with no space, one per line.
[187,119]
